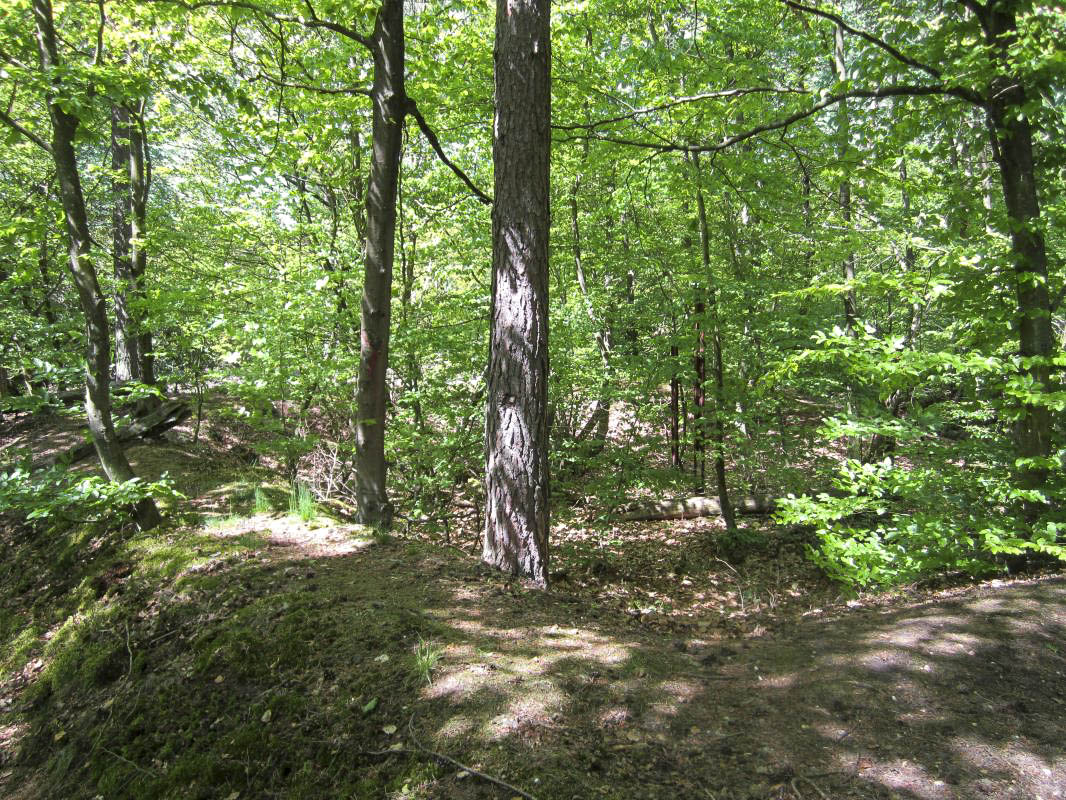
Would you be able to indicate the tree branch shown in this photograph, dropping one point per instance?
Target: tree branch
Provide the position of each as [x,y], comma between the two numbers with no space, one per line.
[695,98]
[831,100]
[99,52]
[434,142]
[315,22]
[260,74]
[37,140]
[869,37]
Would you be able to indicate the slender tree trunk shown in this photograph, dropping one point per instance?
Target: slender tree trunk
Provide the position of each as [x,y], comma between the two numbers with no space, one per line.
[389,100]
[98,339]
[516,474]
[882,444]
[844,196]
[599,420]
[127,356]
[675,392]
[699,397]
[1012,143]
[716,351]
[140,184]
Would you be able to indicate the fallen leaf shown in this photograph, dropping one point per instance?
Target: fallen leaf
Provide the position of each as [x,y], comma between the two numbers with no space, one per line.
[389,730]
[382,658]
[266,716]
[219,679]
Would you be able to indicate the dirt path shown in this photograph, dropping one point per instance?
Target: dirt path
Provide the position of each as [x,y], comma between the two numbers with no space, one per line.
[240,654]
[961,698]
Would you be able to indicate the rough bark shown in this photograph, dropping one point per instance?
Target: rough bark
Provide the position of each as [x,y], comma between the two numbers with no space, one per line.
[98,338]
[389,109]
[516,473]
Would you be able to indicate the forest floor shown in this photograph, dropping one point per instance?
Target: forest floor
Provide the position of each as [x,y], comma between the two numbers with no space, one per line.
[234,654]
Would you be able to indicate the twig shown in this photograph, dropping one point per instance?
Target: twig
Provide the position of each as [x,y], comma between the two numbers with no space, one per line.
[421,750]
[810,783]
[129,672]
[136,766]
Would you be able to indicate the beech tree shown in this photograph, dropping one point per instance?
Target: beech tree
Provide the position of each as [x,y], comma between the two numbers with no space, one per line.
[64,126]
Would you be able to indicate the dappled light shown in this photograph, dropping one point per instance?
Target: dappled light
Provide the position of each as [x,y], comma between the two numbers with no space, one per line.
[532,400]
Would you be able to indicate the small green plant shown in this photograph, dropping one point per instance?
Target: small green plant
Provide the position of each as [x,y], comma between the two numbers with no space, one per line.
[302,502]
[380,535]
[261,503]
[427,655]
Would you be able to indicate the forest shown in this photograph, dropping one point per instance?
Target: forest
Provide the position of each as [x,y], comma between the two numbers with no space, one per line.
[583,399]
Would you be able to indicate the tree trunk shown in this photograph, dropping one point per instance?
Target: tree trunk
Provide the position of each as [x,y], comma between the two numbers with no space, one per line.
[389,109]
[127,356]
[844,196]
[693,507]
[140,183]
[699,396]
[675,391]
[716,346]
[516,470]
[98,340]
[599,420]
[1012,138]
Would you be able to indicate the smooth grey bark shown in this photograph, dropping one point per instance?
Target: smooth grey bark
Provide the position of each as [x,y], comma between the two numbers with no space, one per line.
[390,106]
[844,190]
[1012,139]
[98,339]
[675,391]
[599,419]
[516,446]
[140,184]
[127,356]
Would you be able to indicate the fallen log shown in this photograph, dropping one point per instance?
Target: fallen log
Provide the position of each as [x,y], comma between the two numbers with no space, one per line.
[150,426]
[694,507]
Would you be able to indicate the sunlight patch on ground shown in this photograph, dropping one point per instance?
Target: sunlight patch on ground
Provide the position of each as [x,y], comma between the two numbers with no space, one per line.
[298,539]
[900,775]
[1026,769]
[521,674]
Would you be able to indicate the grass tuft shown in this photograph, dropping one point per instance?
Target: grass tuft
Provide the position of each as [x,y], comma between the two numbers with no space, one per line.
[427,655]
[261,503]
[302,502]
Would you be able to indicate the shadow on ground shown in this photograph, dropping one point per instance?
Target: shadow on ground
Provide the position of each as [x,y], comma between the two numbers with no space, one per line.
[243,663]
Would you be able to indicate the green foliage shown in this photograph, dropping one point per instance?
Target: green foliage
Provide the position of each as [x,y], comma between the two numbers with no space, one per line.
[60,497]
[890,524]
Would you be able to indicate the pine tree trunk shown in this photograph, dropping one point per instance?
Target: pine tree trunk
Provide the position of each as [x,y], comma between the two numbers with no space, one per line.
[98,339]
[389,109]
[516,473]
